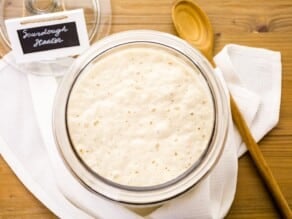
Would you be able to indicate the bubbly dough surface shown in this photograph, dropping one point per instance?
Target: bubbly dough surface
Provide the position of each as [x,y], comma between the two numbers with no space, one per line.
[140,116]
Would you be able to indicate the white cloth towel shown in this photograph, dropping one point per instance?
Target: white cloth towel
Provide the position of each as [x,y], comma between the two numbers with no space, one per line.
[252,75]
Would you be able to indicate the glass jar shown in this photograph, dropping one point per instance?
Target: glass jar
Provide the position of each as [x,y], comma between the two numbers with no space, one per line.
[151,195]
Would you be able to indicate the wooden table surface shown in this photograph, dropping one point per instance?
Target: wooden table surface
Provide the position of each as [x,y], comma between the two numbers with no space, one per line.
[258,23]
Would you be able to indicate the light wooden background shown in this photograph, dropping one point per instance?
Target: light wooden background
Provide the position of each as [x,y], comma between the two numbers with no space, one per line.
[258,23]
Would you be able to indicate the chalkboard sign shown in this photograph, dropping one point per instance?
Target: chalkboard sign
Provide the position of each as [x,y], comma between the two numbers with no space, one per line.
[48,37]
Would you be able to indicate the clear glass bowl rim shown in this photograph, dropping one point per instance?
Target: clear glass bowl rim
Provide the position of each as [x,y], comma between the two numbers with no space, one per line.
[140,196]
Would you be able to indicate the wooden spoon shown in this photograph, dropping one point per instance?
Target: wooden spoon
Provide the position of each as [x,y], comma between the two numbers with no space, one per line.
[193,25]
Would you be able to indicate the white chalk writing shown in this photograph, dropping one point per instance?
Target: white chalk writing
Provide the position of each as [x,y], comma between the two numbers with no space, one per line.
[46,31]
[40,42]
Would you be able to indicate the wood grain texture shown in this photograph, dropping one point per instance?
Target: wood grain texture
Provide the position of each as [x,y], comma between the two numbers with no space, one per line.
[258,23]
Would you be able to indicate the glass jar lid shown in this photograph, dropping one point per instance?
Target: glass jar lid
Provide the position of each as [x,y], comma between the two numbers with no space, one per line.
[97,16]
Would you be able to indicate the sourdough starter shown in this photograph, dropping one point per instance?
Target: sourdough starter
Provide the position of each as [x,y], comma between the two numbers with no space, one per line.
[140,116]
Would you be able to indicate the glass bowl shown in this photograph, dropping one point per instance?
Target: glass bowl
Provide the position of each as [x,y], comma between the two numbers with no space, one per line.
[141,195]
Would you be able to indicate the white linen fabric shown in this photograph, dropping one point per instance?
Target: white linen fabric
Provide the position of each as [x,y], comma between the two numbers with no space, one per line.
[252,75]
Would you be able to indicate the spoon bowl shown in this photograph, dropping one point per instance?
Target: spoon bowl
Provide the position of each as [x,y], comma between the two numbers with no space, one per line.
[193,25]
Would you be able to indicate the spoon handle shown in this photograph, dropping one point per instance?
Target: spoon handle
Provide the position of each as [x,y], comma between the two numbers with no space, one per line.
[259,161]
